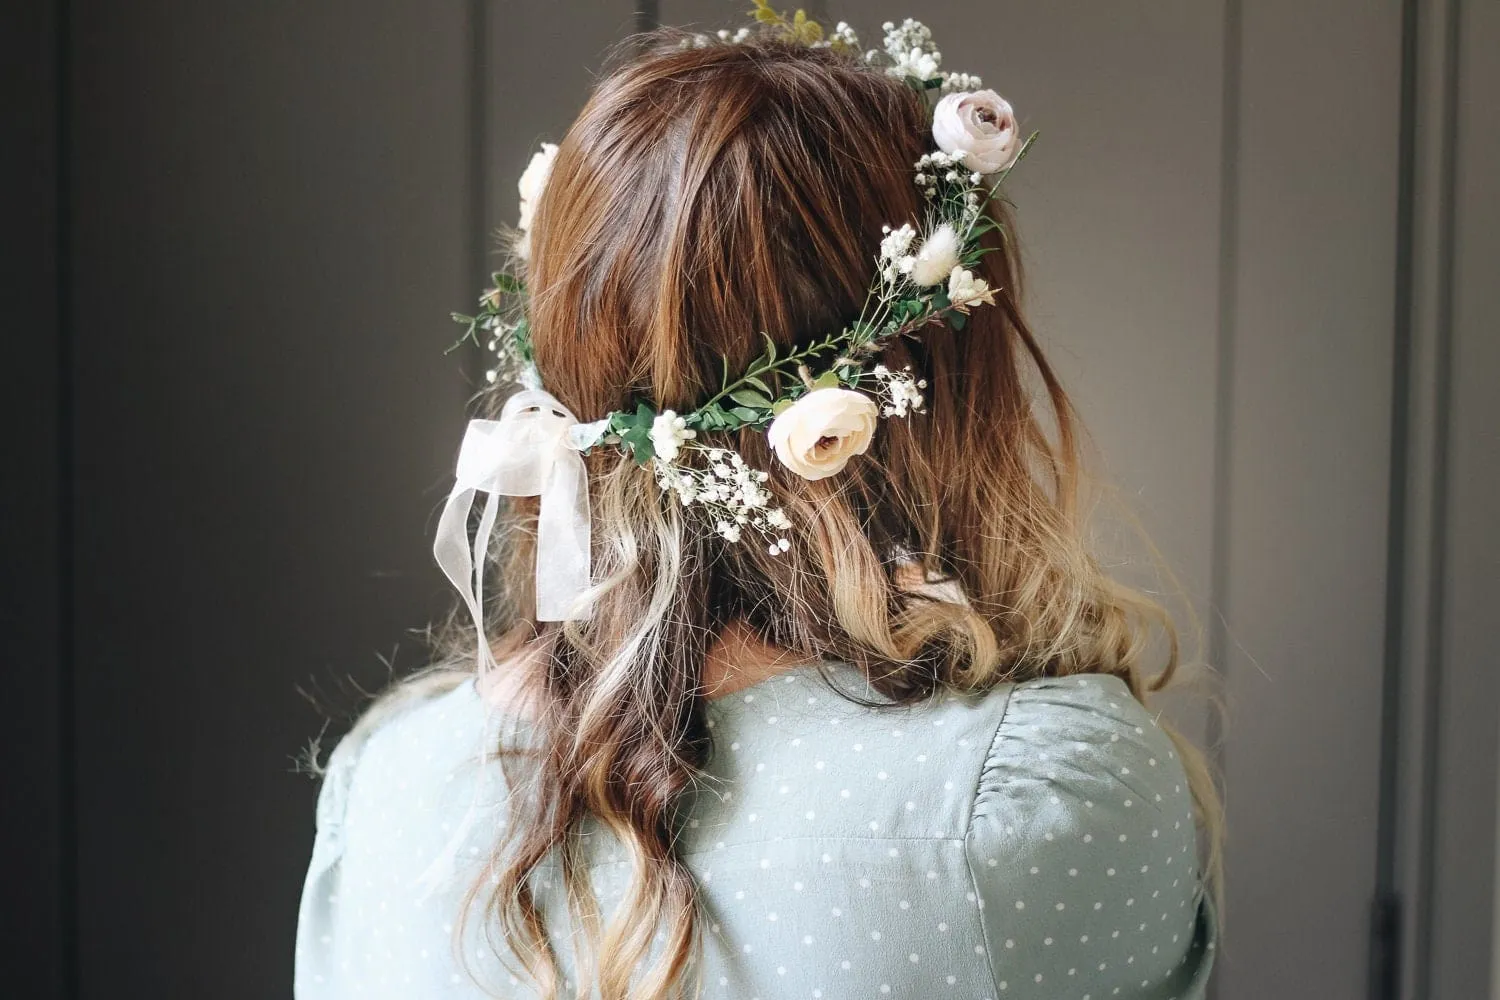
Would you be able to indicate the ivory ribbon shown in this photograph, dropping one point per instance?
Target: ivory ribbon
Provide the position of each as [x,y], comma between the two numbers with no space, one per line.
[530,451]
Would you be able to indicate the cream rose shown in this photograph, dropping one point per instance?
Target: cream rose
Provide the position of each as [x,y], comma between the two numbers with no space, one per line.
[980,127]
[817,435]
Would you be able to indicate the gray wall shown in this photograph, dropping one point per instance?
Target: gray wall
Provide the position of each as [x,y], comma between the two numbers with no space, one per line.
[269,209]
[36,738]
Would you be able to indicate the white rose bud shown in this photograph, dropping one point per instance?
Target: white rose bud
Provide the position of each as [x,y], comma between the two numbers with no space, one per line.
[978,127]
[534,180]
[817,435]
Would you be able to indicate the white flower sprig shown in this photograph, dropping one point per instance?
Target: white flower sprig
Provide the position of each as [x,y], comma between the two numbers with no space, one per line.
[732,494]
[926,272]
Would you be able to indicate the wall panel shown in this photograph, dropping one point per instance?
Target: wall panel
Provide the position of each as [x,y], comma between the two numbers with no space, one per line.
[32,643]
[272,208]
[1309,465]
[1469,694]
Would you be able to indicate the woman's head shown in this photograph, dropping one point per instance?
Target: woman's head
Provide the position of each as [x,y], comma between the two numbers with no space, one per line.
[709,196]
[705,198]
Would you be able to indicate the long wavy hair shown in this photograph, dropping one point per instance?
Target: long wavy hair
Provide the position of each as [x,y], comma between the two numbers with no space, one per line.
[706,195]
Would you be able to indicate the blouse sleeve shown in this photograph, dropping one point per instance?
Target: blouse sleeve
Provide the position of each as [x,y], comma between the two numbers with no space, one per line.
[320,888]
[1083,849]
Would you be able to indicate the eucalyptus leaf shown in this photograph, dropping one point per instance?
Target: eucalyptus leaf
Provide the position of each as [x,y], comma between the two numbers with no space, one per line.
[749,397]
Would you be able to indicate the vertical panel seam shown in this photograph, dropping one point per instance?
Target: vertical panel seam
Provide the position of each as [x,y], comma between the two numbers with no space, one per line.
[1229,207]
[1438,525]
[1384,944]
[68,901]
[647,15]
[478,207]
[1218,634]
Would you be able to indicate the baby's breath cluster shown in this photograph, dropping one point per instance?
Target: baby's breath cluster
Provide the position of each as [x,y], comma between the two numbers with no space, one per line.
[817,402]
[902,391]
[910,50]
[732,495]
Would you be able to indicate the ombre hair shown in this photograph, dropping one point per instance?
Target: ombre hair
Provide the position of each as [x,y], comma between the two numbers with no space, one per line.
[704,196]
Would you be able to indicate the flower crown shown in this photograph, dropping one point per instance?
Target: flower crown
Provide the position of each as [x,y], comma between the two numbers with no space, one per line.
[818,402]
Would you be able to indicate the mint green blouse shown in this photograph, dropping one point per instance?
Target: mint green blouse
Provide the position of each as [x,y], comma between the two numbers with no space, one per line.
[1034,841]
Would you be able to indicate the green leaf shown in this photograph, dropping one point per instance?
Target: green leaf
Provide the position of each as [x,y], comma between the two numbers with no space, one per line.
[781,406]
[749,397]
[957,320]
[639,439]
[827,380]
[759,383]
[940,300]
[508,284]
[770,354]
[746,414]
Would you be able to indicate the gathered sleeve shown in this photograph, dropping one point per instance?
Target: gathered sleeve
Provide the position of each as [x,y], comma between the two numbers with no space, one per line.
[1083,849]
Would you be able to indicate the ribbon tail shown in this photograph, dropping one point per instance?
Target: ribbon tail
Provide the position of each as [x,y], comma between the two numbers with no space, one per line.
[451,550]
[481,560]
[563,543]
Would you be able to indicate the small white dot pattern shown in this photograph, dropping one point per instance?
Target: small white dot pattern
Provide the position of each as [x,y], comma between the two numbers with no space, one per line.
[1035,841]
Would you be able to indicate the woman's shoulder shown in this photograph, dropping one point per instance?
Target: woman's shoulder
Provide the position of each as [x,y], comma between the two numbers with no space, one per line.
[1081,752]
[411,741]
[1083,831]
[866,768]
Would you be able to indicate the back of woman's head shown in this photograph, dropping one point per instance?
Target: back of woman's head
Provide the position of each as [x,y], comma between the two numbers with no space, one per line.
[706,198]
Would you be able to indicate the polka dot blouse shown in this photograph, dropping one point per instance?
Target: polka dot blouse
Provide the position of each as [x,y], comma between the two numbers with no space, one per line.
[1035,841]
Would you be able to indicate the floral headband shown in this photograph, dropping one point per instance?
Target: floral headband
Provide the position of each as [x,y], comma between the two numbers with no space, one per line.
[818,403]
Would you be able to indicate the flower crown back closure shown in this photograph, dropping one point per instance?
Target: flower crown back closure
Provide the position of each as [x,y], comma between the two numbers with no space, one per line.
[818,402]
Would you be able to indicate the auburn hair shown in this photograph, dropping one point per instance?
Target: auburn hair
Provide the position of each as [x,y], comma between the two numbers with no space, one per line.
[704,196]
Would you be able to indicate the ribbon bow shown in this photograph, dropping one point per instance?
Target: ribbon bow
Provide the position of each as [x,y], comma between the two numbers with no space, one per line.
[531,451]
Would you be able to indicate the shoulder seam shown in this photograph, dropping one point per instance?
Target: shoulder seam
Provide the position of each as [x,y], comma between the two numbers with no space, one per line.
[989,755]
[984,765]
